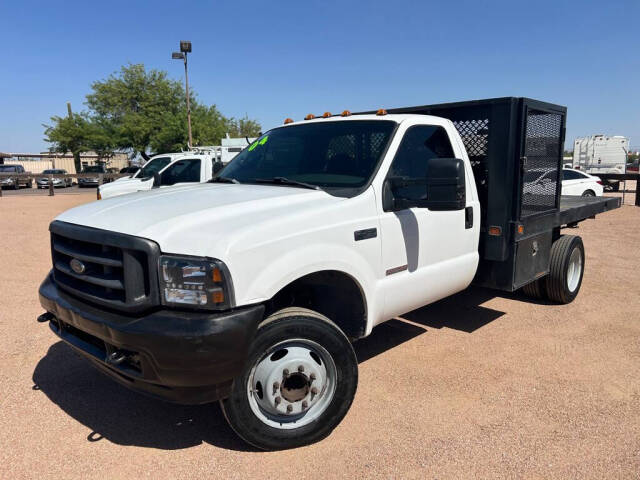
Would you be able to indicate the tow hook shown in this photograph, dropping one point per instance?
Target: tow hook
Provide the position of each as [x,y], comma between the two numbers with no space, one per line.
[117,357]
[45,317]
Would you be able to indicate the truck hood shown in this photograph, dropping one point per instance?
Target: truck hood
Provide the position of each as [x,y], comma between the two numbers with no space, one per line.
[191,219]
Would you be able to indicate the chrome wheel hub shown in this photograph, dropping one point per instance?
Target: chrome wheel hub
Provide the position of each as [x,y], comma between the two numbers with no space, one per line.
[574,271]
[292,384]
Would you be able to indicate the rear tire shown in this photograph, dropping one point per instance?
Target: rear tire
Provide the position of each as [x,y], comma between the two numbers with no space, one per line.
[535,289]
[267,402]
[589,193]
[566,269]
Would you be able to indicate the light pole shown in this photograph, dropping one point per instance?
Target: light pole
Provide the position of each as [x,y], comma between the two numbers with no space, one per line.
[185,47]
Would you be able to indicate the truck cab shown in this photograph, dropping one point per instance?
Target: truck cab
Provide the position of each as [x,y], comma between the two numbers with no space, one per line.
[173,169]
[250,288]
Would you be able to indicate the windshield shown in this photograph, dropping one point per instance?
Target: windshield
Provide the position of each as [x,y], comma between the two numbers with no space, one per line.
[338,156]
[93,169]
[153,166]
[7,168]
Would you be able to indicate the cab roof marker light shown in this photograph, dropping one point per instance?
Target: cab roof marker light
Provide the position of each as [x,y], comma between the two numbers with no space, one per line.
[326,114]
[310,116]
[288,120]
[346,113]
[381,111]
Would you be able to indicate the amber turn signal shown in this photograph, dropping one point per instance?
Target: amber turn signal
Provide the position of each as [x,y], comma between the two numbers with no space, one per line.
[495,231]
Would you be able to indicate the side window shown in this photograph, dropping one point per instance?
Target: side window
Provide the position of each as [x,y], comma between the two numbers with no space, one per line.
[180,172]
[571,175]
[419,144]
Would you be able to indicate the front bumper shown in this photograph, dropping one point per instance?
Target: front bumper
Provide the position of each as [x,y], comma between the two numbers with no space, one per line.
[88,182]
[184,357]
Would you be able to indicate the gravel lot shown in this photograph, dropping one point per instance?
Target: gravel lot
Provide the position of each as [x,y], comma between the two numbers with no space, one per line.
[478,385]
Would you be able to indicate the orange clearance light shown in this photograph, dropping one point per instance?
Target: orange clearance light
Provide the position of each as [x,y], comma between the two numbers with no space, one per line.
[326,114]
[217,296]
[382,111]
[288,120]
[346,113]
[310,116]
[216,275]
[520,229]
[495,231]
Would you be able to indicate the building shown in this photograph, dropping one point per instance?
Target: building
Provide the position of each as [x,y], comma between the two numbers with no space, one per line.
[38,162]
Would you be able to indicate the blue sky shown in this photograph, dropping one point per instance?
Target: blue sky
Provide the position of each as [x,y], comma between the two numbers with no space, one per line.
[272,60]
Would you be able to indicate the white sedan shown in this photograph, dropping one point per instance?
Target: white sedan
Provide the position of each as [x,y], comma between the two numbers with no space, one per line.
[575,182]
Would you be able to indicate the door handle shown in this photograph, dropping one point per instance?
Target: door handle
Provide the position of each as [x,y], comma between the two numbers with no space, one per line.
[468,217]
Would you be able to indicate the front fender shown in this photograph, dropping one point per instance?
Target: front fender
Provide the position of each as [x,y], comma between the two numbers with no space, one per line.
[277,273]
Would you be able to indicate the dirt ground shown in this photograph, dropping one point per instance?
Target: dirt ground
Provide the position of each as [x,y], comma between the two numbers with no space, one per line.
[479,385]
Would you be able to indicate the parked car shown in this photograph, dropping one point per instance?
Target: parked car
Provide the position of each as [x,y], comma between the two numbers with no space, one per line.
[43,181]
[91,181]
[14,182]
[575,182]
[251,288]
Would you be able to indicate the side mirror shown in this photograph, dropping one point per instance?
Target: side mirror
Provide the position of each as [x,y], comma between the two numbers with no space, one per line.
[217,166]
[156,180]
[443,188]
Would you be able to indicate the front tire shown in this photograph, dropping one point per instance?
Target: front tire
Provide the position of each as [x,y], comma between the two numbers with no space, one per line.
[298,384]
[589,193]
[566,269]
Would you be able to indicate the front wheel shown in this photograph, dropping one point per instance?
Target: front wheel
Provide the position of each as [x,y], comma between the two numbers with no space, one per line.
[300,379]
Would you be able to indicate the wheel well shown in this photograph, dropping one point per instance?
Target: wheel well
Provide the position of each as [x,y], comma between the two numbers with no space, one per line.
[332,293]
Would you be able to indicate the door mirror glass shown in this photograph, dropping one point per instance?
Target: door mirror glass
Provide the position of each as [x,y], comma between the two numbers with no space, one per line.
[443,188]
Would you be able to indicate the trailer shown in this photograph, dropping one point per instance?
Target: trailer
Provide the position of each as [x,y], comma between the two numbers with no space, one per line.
[598,154]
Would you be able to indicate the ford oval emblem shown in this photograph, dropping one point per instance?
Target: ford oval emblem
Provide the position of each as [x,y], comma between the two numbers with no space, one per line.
[77,266]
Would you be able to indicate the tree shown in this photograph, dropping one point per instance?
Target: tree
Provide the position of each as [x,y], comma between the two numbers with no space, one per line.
[69,134]
[135,105]
[138,111]
[244,127]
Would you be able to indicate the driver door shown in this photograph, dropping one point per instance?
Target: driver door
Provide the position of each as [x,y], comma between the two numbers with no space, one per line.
[426,255]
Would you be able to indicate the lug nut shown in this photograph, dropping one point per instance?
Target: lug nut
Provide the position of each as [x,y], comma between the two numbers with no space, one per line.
[304,405]
[314,392]
[289,408]
[301,368]
[285,372]
[278,400]
[276,386]
[312,377]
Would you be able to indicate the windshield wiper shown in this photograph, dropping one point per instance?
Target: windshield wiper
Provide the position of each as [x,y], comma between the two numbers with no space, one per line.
[223,180]
[286,181]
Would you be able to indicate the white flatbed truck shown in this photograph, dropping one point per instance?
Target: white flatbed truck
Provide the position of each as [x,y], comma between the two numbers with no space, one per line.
[250,289]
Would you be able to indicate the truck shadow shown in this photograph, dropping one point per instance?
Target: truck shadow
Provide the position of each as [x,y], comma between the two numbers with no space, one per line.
[462,311]
[112,412]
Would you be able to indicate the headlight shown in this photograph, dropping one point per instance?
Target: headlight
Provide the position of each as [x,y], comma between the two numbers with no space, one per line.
[195,282]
